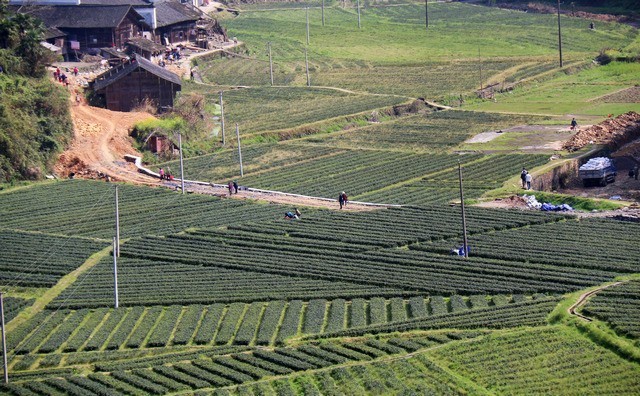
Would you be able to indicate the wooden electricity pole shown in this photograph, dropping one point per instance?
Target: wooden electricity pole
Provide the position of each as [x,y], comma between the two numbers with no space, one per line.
[239,150]
[181,162]
[270,65]
[116,248]
[426,14]
[480,64]
[464,221]
[307,9]
[115,274]
[358,7]
[322,12]
[222,117]
[306,64]
[4,341]
[559,35]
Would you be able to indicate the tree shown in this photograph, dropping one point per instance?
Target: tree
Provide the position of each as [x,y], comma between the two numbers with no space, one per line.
[20,36]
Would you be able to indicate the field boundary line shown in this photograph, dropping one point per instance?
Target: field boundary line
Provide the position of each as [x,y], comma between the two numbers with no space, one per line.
[585,297]
[41,302]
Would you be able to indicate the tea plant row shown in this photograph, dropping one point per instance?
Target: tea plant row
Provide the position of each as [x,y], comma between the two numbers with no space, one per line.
[238,368]
[257,323]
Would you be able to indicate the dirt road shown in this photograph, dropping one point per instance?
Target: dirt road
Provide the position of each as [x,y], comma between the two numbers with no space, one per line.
[101,139]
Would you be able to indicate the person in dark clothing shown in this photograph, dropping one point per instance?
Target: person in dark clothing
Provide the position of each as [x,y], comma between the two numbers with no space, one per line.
[230,187]
[523,177]
[574,124]
[342,198]
[235,186]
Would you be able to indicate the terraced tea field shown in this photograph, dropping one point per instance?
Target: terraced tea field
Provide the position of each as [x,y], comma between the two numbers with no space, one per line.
[221,296]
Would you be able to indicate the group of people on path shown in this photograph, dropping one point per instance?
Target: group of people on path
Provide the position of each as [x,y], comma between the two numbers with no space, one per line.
[165,175]
[233,187]
[526,178]
[343,199]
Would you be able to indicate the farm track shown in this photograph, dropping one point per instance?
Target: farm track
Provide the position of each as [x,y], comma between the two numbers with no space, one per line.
[584,298]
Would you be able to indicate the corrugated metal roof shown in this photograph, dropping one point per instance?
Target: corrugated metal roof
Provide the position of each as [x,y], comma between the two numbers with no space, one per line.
[109,77]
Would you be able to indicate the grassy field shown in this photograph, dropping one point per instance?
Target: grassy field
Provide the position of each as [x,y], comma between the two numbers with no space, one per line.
[225,297]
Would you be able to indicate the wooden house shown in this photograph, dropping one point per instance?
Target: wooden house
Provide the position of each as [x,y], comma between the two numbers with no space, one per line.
[137,80]
[92,27]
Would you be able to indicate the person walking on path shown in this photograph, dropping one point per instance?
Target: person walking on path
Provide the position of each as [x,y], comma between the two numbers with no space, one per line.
[161,174]
[574,124]
[523,177]
[345,199]
[341,199]
[235,186]
[529,178]
[230,187]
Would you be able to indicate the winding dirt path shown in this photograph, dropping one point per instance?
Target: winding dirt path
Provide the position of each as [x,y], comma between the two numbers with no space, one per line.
[101,139]
[583,299]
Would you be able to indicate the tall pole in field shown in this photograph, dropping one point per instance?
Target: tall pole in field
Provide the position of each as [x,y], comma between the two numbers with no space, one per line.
[4,341]
[307,10]
[270,65]
[358,7]
[322,12]
[222,117]
[306,64]
[115,274]
[559,35]
[426,14]
[181,162]
[116,250]
[239,150]
[480,64]
[464,221]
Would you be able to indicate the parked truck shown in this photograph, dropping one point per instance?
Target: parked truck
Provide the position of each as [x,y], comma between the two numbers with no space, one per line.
[598,171]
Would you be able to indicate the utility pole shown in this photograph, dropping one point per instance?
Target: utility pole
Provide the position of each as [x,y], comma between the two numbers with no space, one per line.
[322,12]
[480,63]
[115,274]
[559,35]
[270,67]
[222,116]
[464,221]
[306,63]
[426,14]
[116,250]
[4,341]
[307,9]
[239,150]
[358,7]
[181,162]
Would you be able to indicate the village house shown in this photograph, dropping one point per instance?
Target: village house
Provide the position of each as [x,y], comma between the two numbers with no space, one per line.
[89,25]
[135,81]
[86,29]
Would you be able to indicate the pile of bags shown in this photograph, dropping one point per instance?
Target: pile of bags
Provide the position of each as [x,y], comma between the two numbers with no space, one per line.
[533,203]
[597,163]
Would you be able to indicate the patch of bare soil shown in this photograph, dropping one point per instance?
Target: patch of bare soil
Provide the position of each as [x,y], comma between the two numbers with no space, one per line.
[613,133]
[512,202]
[101,139]
[628,95]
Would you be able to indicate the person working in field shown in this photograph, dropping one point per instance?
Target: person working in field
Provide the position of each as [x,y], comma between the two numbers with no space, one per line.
[574,124]
[342,198]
